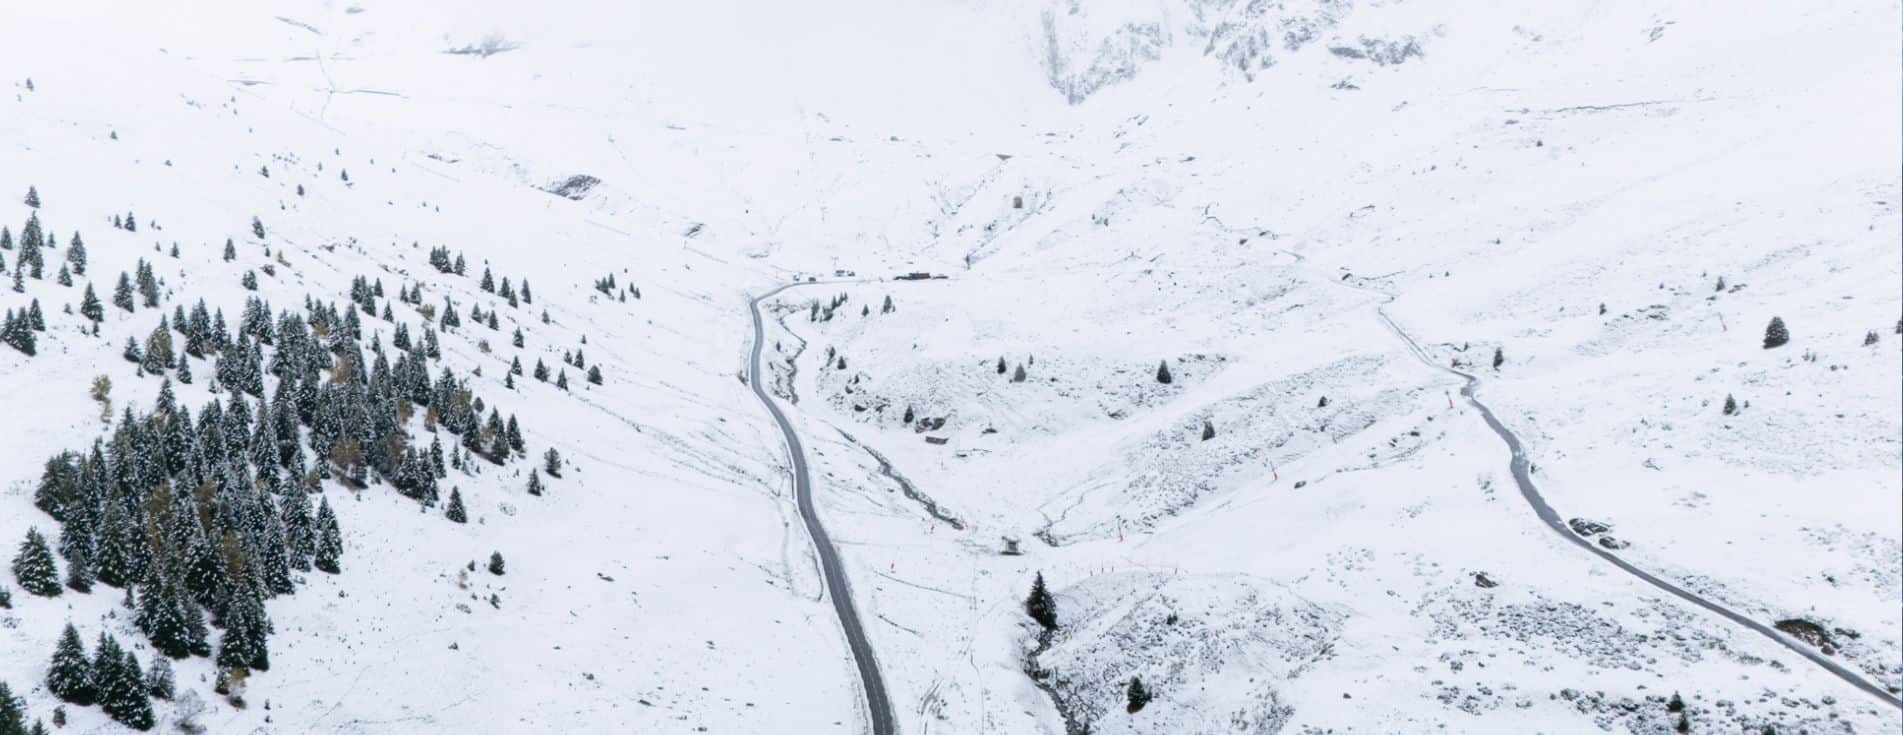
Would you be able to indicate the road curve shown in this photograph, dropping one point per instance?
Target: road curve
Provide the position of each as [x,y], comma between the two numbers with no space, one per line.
[879,708]
[1550,517]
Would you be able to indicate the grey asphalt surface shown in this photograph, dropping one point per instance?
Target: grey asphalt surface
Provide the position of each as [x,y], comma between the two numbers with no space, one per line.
[838,589]
[1523,477]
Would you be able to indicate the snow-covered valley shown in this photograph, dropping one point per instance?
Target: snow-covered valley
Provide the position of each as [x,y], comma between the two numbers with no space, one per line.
[1174,254]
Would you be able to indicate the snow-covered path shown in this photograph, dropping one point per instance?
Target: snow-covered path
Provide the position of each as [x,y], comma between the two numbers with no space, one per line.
[1522,476]
[879,708]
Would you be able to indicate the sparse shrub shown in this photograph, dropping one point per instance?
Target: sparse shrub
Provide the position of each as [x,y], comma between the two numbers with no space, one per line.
[1137,695]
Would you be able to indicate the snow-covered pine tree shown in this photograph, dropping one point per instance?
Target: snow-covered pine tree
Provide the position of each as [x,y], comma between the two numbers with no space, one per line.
[330,542]
[455,511]
[1775,335]
[1040,605]
[90,307]
[69,676]
[122,293]
[33,566]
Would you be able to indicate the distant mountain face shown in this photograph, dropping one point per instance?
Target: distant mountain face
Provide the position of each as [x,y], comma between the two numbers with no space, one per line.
[1090,46]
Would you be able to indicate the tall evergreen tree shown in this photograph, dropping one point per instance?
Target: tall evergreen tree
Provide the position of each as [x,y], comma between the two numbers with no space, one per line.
[12,714]
[76,255]
[70,675]
[33,566]
[1040,605]
[330,542]
[300,530]
[455,511]
[246,629]
[121,686]
[122,293]
[90,307]
[1163,373]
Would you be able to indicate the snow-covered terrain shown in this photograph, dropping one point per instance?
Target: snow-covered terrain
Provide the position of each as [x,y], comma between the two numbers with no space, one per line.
[1595,208]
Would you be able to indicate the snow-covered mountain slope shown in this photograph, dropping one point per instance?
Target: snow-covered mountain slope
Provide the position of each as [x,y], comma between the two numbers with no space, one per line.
[1304,530]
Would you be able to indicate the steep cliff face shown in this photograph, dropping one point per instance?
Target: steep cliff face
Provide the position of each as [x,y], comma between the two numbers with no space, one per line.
[1090,46]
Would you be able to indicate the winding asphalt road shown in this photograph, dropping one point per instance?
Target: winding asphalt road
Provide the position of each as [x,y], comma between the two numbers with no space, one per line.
[1550,517]
[838,589]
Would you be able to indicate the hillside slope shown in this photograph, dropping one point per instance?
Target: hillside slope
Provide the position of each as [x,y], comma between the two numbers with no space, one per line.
[1596,209]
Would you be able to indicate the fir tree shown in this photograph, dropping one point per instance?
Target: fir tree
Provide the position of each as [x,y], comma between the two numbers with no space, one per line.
[12,717]
[246,629]
[1018,375]
[33,197]
[90,307]
[1775,335]
[1209,430]
[594,374]
[33,566]
[257,228]
[1001,367]
[122,294]
[561,380]
[1136,696]
[526,298]
[552,462]
[535,482]
[249,280]
[1040,605]
[330,542]
[1163,373]
[1731,405]
[65,277]
[495,563]
[300,530]
[168,620]
[1499,358]
[76,255]
[231,250]
[70,675]
[120,685]
[455,512]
